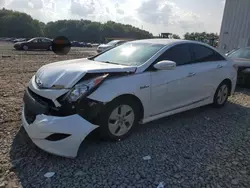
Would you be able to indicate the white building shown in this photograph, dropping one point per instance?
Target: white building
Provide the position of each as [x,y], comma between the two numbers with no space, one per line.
[235,28]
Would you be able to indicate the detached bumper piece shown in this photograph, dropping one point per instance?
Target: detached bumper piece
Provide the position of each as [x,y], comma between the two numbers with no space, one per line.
[57,135]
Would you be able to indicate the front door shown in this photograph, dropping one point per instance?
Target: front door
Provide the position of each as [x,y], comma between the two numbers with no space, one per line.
[173,89]
[45,43]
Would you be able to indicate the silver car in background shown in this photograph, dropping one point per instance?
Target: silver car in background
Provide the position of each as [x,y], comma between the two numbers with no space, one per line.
[241,58]
[111,44]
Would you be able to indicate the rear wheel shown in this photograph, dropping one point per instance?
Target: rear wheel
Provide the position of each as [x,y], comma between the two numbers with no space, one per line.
[221,94]
[118,119]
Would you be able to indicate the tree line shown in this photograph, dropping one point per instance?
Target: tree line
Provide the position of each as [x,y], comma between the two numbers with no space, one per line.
[210,38]
[21,25]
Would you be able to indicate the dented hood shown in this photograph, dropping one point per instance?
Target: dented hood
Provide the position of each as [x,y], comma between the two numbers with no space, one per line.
[68,73]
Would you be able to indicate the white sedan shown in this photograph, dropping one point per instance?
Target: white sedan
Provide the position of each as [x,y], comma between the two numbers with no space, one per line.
[111,44]
[137,82]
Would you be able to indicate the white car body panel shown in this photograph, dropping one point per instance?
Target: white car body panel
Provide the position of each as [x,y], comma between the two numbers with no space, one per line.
[47,93]
[169,91]
[68,73]
[161,93]
[175,111]
[131,84]
[44,125]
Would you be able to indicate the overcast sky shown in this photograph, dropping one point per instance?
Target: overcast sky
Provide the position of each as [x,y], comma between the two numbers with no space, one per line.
[156,16]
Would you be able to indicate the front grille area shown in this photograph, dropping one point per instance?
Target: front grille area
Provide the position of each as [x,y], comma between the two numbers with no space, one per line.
[29,115]
[40,99]
[34,105]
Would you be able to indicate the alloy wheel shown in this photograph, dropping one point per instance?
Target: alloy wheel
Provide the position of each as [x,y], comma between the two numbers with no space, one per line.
[121,120]
[222,94]
[25,47]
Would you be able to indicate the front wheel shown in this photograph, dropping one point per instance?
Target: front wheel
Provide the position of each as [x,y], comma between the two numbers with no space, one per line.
[221,94]
[25,48]
[118,119]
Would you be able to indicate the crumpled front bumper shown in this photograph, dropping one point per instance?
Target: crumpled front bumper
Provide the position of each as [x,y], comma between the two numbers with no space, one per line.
[44,126]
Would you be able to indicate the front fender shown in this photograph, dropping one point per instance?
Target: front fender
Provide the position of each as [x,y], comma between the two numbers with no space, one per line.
[136,84]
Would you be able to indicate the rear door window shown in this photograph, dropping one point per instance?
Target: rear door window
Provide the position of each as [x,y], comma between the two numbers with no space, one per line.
[35,41]
[45,40]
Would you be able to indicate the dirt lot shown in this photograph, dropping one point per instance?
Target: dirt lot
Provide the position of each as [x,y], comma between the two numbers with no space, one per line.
[205,147]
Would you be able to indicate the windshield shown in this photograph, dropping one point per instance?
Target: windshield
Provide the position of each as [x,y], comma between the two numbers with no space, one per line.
[31,40]
[130,54]
[241,53]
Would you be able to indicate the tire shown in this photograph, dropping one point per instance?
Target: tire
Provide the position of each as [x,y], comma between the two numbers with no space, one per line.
[114,120]
[25,47]
[50,48]
[221,94]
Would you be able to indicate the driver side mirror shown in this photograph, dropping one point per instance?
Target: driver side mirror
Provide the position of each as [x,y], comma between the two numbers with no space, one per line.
[165,65]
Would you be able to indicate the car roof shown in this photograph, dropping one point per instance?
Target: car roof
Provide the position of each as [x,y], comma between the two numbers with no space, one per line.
[172,42]
[115,40]
[41,38]
[166,41]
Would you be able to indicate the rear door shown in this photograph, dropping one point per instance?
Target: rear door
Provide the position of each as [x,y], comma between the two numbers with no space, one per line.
[44,44]
[209,69]
[33,44]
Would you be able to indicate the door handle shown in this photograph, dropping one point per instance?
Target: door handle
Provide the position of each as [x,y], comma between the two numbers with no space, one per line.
[219,66]
[191,74]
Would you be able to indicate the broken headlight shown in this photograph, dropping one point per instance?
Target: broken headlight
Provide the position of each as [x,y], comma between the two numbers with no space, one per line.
[83,88]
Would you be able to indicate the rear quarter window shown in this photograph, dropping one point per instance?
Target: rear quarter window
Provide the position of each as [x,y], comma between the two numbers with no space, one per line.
[202,53]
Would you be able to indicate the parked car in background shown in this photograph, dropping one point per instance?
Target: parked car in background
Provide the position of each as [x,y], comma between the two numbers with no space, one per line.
[19,40]
[6,39]
[139,81]
[229,52]
[76,44]
[111,44]
[95,45]
[38,43]
[87,45]
[80,44]
[241,58]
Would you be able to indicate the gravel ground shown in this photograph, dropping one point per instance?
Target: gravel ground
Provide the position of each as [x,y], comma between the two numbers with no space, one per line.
[204,147]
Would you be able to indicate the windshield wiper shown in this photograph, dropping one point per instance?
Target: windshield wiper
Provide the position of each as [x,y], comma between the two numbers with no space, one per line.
[110,62]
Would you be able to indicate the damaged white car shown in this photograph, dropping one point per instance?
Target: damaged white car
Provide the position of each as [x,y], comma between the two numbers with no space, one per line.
[139,81]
